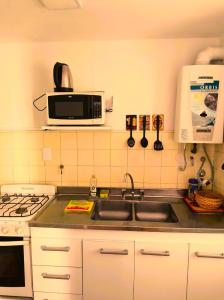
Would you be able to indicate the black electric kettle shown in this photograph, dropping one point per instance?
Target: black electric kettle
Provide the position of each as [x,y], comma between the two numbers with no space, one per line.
[62,78]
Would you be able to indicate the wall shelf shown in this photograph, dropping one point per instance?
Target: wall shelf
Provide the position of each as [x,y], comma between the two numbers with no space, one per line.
[87,128]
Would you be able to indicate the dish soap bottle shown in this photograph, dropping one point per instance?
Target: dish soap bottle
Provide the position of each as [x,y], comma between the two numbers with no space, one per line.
[93,184]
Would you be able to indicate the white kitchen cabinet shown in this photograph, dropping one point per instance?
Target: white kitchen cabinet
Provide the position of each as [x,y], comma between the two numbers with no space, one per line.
[160,270]
[108,270]
[57,266]
[206,272]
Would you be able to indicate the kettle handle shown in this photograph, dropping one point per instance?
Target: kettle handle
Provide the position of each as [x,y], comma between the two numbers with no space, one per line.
[57,72]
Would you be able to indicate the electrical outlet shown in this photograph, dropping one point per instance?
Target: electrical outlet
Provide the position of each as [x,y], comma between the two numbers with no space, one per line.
[161,123]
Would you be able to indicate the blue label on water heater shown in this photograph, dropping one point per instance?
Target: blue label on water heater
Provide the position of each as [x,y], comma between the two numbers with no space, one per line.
[207,86]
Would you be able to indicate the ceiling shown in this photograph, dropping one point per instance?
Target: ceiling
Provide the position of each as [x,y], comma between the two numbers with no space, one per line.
[28,20]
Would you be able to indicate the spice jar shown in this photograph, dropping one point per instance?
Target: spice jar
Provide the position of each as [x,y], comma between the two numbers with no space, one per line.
[192,188]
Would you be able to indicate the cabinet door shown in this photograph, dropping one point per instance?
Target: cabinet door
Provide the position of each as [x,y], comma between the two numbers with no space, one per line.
[160,271]
[108,270]
[206,272]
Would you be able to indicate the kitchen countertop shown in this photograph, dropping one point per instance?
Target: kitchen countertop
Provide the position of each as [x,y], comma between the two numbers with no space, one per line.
[54,216]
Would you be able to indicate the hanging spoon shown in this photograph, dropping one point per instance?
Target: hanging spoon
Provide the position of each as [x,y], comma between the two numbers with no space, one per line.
[131,141]
[144,141]
[158,144]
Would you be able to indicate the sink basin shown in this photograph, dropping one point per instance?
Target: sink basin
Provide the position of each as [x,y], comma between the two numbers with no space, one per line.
[155,212]
[112,210]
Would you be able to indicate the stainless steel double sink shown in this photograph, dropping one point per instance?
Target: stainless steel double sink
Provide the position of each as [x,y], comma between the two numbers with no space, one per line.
[122,210]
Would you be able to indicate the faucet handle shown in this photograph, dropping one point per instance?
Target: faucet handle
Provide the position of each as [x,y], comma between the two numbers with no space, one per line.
[123,192]
[142,192]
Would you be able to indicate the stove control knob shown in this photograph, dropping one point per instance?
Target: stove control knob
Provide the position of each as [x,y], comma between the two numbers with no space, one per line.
[19,230]
[4,230]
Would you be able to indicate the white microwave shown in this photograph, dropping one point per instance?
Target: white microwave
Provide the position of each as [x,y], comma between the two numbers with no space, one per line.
[78,108]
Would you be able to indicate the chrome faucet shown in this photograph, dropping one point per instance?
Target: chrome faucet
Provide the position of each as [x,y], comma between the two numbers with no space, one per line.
[132,182]
[134,194]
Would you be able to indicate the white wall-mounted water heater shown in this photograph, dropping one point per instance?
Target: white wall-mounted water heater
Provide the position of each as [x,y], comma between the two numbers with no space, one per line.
[200,105]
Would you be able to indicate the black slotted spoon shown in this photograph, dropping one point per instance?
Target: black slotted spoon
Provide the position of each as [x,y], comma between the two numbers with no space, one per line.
[158,144]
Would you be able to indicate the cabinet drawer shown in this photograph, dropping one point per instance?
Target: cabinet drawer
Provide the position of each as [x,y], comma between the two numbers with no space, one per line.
[53,296]
[57,279]
[57,252]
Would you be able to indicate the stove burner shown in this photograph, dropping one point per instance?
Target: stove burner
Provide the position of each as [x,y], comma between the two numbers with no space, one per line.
[21,210]
[34,199]
[5,198]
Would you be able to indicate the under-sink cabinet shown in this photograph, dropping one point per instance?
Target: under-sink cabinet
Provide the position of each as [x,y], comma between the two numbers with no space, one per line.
[160,270]
[206,271]
[108,270]
[113,270]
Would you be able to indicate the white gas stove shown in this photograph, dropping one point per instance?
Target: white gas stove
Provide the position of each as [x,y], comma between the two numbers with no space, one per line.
[18,205]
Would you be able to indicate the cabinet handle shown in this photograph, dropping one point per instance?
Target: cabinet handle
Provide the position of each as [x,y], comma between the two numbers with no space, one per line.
[207,255]
[116,252]
[53,276]
[47,248]
[158,253]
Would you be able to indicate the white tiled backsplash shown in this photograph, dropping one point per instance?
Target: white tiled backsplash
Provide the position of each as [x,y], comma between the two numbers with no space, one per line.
[83,153]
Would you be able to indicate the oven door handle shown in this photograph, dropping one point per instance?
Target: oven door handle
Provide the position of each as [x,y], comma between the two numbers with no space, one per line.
[14,243]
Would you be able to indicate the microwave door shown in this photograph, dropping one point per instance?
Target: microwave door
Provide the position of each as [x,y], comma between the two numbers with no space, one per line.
[74,109]
[68,110]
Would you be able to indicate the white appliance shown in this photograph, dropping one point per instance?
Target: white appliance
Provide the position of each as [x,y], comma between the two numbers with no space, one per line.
[79,108]
[200,104]
[18,205]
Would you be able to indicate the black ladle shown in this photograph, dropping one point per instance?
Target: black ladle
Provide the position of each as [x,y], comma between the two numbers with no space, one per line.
[144,141]
[131,141]
[158,144]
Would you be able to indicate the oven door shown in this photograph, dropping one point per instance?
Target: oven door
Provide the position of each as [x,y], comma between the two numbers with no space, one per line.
[15,267]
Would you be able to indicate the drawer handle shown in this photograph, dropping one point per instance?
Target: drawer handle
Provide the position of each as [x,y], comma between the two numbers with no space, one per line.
[116,252]
[53,276]
[47,248]
[157,253]
[207,255]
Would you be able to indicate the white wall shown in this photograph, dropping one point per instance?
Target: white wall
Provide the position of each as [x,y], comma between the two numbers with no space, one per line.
[141,75]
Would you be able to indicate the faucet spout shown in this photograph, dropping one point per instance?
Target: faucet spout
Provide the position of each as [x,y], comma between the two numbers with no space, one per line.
[132,182]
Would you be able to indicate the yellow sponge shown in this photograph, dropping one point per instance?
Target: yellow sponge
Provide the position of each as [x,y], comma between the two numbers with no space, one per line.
[79,206]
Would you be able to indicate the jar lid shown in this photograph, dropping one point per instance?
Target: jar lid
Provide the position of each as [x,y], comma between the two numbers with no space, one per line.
[193,180]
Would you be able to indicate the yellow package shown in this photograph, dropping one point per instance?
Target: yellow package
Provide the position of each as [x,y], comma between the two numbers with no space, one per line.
[79,206]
